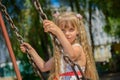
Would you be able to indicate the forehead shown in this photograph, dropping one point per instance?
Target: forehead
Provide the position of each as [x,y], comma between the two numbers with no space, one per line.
[67,24]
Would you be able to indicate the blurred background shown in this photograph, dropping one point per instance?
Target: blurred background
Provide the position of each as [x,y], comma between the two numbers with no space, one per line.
[102,22]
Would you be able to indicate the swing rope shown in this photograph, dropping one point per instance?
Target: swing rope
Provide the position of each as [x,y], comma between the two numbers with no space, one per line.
[20,40]
[57,44]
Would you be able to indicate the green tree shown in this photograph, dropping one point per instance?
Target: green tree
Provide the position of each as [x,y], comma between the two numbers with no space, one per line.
[26,18]
[35,34]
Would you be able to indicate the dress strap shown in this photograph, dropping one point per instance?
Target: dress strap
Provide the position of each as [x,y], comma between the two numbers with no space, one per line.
[76,44]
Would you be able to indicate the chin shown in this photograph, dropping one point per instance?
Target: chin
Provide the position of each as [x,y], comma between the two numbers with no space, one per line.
[70,42]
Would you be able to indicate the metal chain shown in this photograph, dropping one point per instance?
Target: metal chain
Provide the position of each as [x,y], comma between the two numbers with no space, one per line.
[39,9]
[57,44]
[19,38]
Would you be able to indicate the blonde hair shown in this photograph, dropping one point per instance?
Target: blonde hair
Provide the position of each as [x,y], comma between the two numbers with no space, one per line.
[90,71]
[72,19]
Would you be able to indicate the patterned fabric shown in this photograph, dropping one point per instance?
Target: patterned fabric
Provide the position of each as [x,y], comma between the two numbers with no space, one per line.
[66,70]
[69,76]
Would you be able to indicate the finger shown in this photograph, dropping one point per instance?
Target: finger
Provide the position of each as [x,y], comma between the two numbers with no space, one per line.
[26,45]
[45,21]
[23,49]
[44,29]
[47,24]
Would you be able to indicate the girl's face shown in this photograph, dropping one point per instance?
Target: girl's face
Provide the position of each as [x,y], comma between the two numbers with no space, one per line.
[70,32]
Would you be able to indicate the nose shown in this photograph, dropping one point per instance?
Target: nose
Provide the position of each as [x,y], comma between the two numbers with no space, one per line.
[67,33]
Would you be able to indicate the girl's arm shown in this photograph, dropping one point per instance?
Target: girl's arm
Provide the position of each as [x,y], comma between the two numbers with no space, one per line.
[42,65]
[76,53]
[49,26]
[72,52]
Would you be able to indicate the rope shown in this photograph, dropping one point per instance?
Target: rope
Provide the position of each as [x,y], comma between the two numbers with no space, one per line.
[20,39]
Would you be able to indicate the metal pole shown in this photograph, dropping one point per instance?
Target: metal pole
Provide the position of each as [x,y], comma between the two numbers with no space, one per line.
[8,43]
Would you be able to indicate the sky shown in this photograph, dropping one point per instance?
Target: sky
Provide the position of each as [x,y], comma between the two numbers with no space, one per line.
[55,3]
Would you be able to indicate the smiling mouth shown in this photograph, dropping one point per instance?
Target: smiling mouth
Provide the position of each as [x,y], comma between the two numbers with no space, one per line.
[69,39]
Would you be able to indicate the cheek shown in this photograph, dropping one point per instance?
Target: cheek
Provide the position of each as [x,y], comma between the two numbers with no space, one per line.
[75,34]
[73,37]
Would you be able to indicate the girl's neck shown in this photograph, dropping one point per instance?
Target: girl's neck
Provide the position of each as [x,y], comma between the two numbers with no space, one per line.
[75,41]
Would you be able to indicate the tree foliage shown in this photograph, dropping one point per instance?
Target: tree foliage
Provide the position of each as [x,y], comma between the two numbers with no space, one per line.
[110,9]
[26,19]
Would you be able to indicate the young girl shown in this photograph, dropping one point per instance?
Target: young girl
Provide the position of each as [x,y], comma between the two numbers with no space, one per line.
[70,32]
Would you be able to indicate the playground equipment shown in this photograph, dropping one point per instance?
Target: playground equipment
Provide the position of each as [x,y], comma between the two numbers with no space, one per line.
[20,39]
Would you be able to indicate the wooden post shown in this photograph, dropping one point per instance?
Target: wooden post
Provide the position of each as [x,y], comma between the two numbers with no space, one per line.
[8,43]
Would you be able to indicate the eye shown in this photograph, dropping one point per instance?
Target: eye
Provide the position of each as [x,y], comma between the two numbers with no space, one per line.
[63,30]
[71,29]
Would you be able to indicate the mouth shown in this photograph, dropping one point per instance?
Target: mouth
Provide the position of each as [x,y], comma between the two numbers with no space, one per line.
[69,39]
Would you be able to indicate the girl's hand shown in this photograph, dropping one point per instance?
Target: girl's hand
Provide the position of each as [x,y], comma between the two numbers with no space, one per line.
[51,27]
[25,46]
